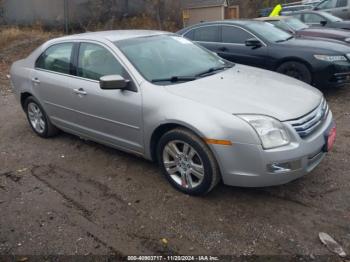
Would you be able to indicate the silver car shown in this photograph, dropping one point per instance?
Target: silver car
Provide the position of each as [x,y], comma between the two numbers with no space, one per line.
[162,97]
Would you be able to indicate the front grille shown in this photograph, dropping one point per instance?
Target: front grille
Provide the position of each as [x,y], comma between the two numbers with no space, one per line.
[307,124]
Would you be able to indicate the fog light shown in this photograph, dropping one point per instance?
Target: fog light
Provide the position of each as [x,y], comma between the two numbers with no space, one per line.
[285,167]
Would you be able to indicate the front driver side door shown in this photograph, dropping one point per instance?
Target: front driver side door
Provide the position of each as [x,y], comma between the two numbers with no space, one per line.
[113,117]
[233,47]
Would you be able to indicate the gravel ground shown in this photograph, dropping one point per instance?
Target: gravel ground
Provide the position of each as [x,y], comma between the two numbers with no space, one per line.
[66,196]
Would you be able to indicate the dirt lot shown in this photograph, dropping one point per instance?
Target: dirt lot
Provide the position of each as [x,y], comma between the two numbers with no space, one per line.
[66,196]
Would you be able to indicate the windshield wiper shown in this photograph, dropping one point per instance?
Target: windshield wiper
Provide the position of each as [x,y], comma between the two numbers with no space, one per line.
[284,40]
[214,69]
[175,79]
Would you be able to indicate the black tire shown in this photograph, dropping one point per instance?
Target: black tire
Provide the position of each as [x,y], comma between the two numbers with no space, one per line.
[49,129]
[211,175]
[296,70]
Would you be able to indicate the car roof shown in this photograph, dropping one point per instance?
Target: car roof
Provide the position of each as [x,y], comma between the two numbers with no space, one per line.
[241,22]
[272,18]
[114,35]
[309,11]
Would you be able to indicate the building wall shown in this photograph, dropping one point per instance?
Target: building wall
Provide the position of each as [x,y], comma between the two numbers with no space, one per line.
[47,12]
[51,12]
[198,15]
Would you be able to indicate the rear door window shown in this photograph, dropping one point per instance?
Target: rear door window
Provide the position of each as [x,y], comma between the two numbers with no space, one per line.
[207,34]
[57,58]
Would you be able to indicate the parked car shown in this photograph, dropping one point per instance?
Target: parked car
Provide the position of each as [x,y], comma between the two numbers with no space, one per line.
[260,44]
[299,29]
[164,98]
[322,19]
[287,10]
[290,8]
[339,8]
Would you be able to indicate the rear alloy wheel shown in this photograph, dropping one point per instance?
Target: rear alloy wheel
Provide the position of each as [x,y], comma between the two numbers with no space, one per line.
[187,162]
[296,70]
[38,119]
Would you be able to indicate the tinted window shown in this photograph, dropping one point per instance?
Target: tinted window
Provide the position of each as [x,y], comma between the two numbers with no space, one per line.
[298,16]
[342,3]
[95,61]
[231,34]
[313,18]
[56,58]
[190,35]
[207,34]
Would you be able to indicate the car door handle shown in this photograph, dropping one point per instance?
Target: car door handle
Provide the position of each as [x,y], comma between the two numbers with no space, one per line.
[80,91]
[223,49]
[36,80]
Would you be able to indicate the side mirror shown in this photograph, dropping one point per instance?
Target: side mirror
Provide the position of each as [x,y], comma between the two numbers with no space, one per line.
[113,82]
[323,23]
[253,42]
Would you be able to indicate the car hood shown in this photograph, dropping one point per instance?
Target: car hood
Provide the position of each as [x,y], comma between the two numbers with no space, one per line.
[249,90]
[326,32]
[327,46]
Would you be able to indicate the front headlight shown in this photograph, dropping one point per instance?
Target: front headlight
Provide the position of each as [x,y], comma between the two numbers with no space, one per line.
[272,133]
[331,58]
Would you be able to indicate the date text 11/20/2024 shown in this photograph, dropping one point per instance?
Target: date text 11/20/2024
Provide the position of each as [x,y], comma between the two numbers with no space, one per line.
[172,258]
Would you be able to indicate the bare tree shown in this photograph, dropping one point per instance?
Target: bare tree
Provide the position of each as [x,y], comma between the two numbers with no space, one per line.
[157,7]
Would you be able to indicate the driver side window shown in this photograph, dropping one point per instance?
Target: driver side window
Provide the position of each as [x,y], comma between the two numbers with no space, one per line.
[234,35]
[312,19]
[96,61]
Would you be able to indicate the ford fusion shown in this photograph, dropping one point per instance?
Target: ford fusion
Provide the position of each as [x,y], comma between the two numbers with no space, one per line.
[162,97]
[318,62]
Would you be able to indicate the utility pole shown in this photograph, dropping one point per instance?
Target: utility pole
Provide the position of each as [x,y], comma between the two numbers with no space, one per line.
[66,16]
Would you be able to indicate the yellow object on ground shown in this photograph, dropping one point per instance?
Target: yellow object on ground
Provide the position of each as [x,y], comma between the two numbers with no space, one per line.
[276,11]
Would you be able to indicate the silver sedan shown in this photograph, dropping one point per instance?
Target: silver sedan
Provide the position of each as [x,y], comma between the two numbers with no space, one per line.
[162,97]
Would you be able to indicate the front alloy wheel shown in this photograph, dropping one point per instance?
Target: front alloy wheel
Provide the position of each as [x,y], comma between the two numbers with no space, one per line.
[187,162]
[183,164]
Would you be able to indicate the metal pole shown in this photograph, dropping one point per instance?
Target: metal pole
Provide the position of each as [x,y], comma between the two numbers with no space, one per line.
[66,17]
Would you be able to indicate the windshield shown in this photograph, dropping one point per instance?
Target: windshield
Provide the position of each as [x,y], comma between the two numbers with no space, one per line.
[269,32]
[295,24]
[170,58]
[331,18]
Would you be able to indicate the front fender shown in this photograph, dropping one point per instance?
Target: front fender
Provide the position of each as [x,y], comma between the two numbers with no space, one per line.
[162,107]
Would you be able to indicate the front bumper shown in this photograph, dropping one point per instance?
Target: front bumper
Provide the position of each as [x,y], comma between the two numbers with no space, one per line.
[247,165]
[332,75]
